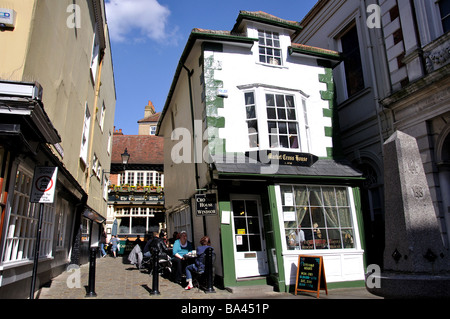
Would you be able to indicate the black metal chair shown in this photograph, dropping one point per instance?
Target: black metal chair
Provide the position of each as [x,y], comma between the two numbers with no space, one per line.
[204,279]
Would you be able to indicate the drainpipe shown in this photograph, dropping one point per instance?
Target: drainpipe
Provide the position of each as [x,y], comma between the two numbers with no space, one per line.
[372,71]
[190,72]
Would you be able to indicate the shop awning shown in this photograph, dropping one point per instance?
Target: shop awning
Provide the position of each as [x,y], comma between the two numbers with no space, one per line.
[322,168]
[93,215]
[22,112]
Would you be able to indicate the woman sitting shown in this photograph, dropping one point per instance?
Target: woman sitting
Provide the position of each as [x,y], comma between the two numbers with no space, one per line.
[199,264]
[180,248]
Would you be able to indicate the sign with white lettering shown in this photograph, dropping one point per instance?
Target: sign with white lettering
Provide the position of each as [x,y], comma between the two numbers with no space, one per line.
[284,158]
[206,204]
[44,184]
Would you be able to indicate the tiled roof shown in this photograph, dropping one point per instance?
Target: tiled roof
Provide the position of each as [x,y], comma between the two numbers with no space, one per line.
[265,15]
[325,168]
[311,49]
[151,118]
[143,149]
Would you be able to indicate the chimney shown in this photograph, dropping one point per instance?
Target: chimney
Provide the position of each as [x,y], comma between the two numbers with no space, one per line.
[149,109]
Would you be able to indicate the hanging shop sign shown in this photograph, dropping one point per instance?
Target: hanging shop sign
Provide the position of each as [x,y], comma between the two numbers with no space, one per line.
[206,204]
[310,275]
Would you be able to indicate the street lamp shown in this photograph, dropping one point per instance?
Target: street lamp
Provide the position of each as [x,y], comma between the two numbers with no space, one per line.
[125,157]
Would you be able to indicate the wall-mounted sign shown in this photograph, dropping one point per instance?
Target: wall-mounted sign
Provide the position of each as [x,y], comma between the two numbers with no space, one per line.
[283,158]
[44,184]
[7,18]
[206,204]
[137,198]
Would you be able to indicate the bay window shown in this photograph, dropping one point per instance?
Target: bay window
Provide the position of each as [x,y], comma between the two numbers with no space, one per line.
[282,121]
[317,217]
[276,118]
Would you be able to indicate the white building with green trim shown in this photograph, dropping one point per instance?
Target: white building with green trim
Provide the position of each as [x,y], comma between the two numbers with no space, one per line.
[250,119]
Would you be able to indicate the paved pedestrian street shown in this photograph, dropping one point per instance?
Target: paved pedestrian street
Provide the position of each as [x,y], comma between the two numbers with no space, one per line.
[121,288]
[117,279]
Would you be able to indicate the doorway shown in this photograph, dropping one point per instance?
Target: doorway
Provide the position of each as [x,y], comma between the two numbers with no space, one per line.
[248,237]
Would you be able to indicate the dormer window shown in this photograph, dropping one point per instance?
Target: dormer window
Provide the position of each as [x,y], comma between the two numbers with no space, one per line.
[269,47]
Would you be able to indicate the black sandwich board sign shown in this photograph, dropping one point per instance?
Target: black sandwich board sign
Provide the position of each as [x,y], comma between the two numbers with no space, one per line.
[310,275]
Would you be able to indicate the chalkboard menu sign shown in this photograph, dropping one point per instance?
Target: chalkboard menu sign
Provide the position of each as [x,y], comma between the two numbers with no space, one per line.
[310,275]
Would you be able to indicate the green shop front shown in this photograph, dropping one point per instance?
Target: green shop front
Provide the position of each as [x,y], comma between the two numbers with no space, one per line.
[269,218]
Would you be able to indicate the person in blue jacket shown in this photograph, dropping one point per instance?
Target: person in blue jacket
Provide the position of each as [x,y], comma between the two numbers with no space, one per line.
[180,248]
[199,264]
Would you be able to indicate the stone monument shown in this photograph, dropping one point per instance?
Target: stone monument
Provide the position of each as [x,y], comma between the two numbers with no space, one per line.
[416,263]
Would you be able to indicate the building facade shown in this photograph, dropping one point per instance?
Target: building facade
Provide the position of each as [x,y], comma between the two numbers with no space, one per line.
[394,76]
[57,103]
[250,126]
[136,190]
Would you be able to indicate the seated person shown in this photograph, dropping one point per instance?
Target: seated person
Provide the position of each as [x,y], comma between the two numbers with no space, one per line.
[199,264]
[180,248]
[156,243]
[146,251]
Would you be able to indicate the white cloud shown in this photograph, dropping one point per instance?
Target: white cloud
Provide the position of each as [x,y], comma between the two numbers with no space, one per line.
[137,20]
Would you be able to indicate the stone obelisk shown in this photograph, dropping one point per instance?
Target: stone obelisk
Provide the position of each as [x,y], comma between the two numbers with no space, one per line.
[416,263]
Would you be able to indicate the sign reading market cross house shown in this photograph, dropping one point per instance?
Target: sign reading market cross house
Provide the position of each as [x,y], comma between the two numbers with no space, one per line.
[285,158]
[206,204]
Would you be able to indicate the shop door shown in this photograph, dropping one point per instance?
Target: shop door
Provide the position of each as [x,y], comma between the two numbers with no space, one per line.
[249,244]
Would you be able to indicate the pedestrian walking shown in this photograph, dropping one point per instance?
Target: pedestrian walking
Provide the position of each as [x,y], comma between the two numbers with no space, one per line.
[103,241]
[114,245]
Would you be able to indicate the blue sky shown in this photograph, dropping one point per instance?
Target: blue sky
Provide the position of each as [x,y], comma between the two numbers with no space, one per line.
[148,37]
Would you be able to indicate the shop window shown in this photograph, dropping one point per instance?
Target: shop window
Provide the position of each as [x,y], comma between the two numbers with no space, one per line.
[124,225]
[181,220]
[22,224]
[85,229]
[64,212]
[138,225]
[317,217]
